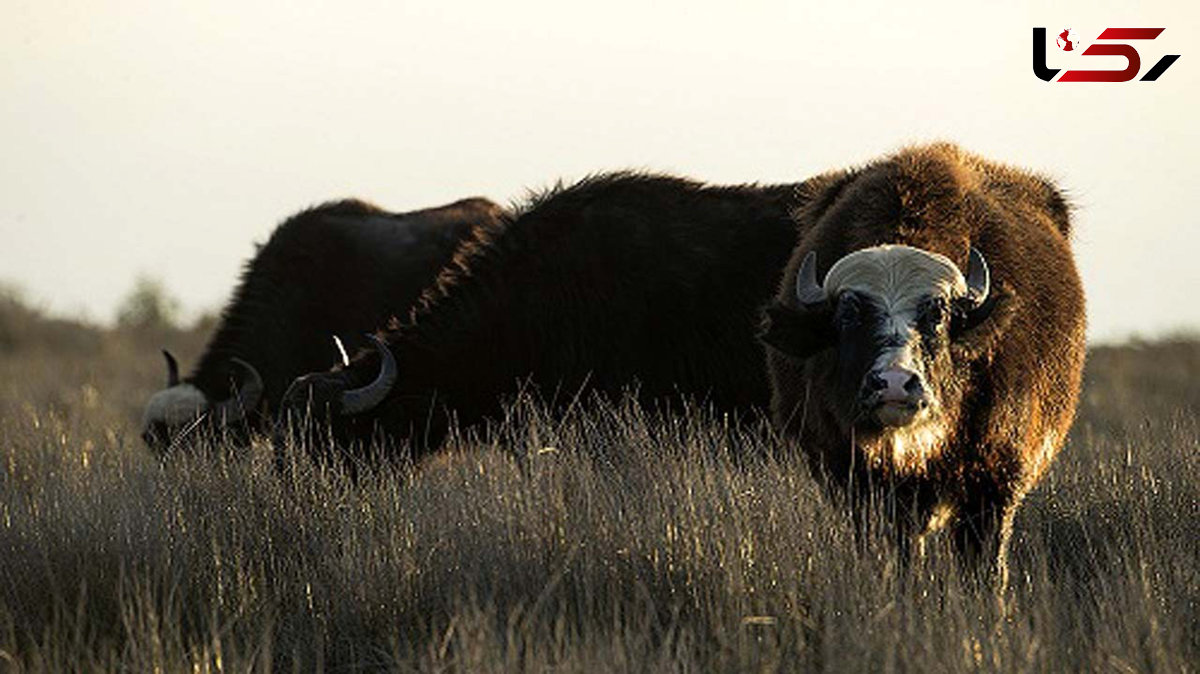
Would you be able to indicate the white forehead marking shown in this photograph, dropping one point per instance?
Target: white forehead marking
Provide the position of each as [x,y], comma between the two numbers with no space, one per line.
[175,406]
[897,275]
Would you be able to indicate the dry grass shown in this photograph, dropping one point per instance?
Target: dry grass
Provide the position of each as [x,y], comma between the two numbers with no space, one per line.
[613,540]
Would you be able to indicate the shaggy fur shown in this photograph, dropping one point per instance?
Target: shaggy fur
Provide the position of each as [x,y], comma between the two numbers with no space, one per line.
[1009,379]
[621,280]
[343,268]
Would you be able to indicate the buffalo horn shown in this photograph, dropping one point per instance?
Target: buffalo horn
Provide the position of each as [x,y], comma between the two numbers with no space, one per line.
[172,369]
[808,291]
[978,279]
[359,400]
[341,348]
[246,398]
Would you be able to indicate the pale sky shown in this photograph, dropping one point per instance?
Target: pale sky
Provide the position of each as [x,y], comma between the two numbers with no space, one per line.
[165,137]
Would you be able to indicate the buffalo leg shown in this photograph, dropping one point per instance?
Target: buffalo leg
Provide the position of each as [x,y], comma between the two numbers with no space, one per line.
[981,537]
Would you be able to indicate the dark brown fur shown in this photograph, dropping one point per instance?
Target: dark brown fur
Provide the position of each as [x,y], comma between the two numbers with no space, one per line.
[622,280]
[1012,386]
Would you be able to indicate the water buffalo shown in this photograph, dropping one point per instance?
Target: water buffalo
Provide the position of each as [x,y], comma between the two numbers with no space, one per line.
[621,280]
[340,269]
[928,340]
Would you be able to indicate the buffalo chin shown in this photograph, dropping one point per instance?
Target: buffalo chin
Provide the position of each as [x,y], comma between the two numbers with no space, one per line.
[895,414]
[900,450]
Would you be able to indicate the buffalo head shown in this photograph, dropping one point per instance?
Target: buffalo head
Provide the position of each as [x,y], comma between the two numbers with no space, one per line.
[182,406]
[887,318]
[330,393]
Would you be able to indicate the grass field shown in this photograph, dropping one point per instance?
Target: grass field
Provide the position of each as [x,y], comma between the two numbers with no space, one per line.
[612,540]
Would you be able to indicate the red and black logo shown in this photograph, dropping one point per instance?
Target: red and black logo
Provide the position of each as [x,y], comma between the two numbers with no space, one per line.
[1067,41]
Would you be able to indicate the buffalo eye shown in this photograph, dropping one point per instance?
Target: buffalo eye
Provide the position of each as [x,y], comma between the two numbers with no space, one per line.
[848,311]
[933,313]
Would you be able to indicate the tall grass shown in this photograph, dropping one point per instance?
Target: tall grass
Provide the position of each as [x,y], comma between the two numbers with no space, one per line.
[616,539]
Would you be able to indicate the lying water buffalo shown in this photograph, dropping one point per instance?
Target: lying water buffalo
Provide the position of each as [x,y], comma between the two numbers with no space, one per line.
[928,339]
[340,269]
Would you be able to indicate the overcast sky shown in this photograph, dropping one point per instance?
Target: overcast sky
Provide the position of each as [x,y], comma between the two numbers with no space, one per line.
[165,137]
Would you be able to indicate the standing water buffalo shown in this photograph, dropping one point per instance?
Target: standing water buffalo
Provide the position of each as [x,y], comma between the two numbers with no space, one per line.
[335,270]
[900,374]
[621,280]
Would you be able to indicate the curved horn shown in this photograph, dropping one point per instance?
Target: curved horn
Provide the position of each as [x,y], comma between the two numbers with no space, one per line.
[341,348]
[245,399]
[808,291]
[978,279]
[359,400]
[172,369]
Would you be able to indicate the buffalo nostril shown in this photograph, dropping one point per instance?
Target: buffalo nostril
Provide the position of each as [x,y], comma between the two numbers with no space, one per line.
[876,382]
[914,386]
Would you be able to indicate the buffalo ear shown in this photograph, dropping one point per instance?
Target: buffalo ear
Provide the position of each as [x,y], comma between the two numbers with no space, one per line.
[798,333]
[976,332]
